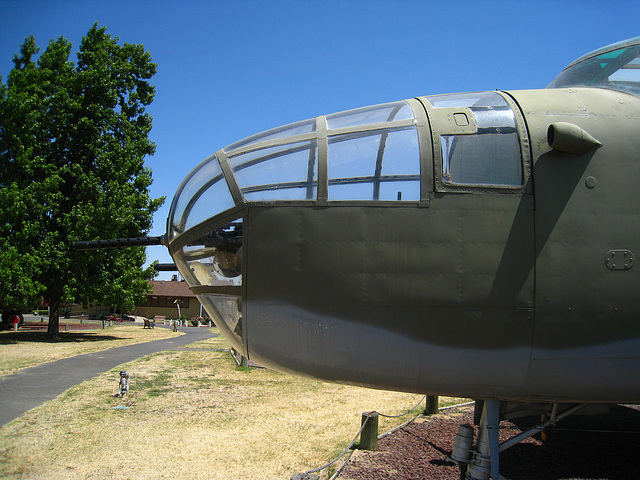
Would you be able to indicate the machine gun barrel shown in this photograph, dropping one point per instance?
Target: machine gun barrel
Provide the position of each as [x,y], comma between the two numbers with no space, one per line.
[119,242]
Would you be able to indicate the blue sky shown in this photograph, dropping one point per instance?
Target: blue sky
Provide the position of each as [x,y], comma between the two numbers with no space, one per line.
[229,69]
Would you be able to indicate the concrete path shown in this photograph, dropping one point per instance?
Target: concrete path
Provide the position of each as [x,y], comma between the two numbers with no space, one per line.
[31,387]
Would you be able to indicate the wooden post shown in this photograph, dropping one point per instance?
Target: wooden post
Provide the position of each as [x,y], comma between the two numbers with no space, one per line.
[244,363]
[369,435]
[432,405]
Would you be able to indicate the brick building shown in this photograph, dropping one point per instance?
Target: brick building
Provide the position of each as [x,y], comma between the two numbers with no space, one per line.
[164,299]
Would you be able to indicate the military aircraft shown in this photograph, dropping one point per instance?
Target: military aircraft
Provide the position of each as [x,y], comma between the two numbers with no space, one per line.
[475,245]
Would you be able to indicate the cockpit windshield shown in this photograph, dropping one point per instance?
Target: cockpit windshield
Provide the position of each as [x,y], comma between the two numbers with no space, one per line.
[616,67]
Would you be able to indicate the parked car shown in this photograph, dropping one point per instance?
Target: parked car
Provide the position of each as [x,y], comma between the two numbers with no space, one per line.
[10,316]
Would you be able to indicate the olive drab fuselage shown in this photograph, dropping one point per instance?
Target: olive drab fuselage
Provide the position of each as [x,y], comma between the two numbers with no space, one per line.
[478,245]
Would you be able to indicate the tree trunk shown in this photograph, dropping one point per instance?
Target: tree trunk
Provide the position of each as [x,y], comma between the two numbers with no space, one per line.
[54,318]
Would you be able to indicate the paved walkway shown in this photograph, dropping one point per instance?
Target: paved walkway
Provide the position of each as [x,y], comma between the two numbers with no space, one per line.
[31,387]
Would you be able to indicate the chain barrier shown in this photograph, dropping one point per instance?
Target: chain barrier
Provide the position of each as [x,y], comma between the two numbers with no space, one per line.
[307,474]
[440,409]
[364,424]
[405,413]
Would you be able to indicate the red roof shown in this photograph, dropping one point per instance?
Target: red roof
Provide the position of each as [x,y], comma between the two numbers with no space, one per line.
[165,288]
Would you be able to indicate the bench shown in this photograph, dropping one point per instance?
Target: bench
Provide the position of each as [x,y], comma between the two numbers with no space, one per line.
[149,323]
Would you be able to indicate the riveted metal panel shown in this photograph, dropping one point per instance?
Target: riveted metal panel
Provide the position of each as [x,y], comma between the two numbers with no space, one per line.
[446,283]
[586,206]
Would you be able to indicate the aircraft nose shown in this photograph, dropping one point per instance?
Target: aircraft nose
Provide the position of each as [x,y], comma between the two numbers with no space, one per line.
[371,154]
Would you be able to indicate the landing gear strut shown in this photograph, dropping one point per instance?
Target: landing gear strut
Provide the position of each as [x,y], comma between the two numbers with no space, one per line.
[483,460]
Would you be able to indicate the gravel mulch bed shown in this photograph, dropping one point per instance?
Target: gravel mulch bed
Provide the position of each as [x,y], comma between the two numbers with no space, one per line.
[580,447]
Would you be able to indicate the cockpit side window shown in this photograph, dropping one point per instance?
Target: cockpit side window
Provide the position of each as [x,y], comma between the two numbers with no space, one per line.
[481,160]
[478,140]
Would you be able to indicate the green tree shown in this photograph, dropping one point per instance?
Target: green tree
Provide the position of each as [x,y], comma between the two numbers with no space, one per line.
[73,138]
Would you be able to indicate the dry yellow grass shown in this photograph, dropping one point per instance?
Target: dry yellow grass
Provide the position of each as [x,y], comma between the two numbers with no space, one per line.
[25,349]
[191,414]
